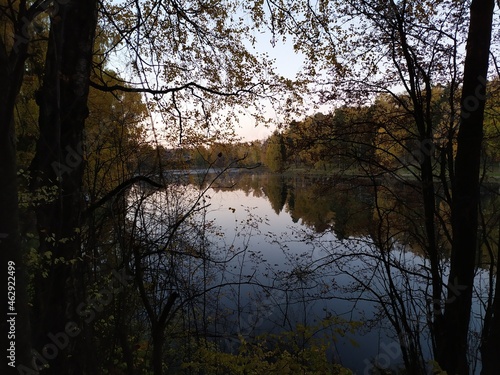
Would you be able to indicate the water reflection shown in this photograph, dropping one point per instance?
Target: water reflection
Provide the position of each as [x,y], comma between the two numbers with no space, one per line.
[295,229]
[319,203]
[303,249]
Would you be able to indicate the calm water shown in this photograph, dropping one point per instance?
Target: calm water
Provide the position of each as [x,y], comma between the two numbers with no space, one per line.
[292,230]
[288,251]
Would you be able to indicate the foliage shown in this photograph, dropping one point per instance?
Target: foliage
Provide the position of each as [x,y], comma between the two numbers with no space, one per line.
[491,125]
[113,133]
[196,63]
[275,153]
[300,351]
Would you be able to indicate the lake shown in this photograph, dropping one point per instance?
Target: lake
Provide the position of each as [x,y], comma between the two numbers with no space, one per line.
[280,251]
[295,227]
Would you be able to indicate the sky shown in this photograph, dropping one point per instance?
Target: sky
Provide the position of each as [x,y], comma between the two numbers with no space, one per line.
[288,63]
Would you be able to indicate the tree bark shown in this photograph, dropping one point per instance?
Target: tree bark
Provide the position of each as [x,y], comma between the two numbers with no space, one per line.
[58,164]
[12,60]
[452,354]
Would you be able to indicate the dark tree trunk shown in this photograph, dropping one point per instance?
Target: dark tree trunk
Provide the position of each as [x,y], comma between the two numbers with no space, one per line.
[58,164]
[11,252]
[158,330]
[452,354]
[158,343]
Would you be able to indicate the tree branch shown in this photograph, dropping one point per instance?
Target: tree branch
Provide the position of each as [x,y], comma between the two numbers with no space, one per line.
[117,190]
[168,90]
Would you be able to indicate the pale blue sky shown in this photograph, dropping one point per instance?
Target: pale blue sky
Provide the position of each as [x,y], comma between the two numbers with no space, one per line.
[288,64]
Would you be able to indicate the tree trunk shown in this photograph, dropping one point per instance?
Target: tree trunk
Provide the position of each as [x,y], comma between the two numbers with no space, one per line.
[11,251]
[452,354]
[58,164]
[158,342]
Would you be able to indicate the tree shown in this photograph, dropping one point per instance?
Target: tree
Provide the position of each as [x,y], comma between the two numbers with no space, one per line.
[58,162]
[465,205]
[309,141]
[16,19]
[276,153]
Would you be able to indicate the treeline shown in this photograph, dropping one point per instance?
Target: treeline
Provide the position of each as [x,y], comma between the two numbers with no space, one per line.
[383,134]
[202,156]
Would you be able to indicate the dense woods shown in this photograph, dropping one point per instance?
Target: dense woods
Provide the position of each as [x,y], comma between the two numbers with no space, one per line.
[118,119]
